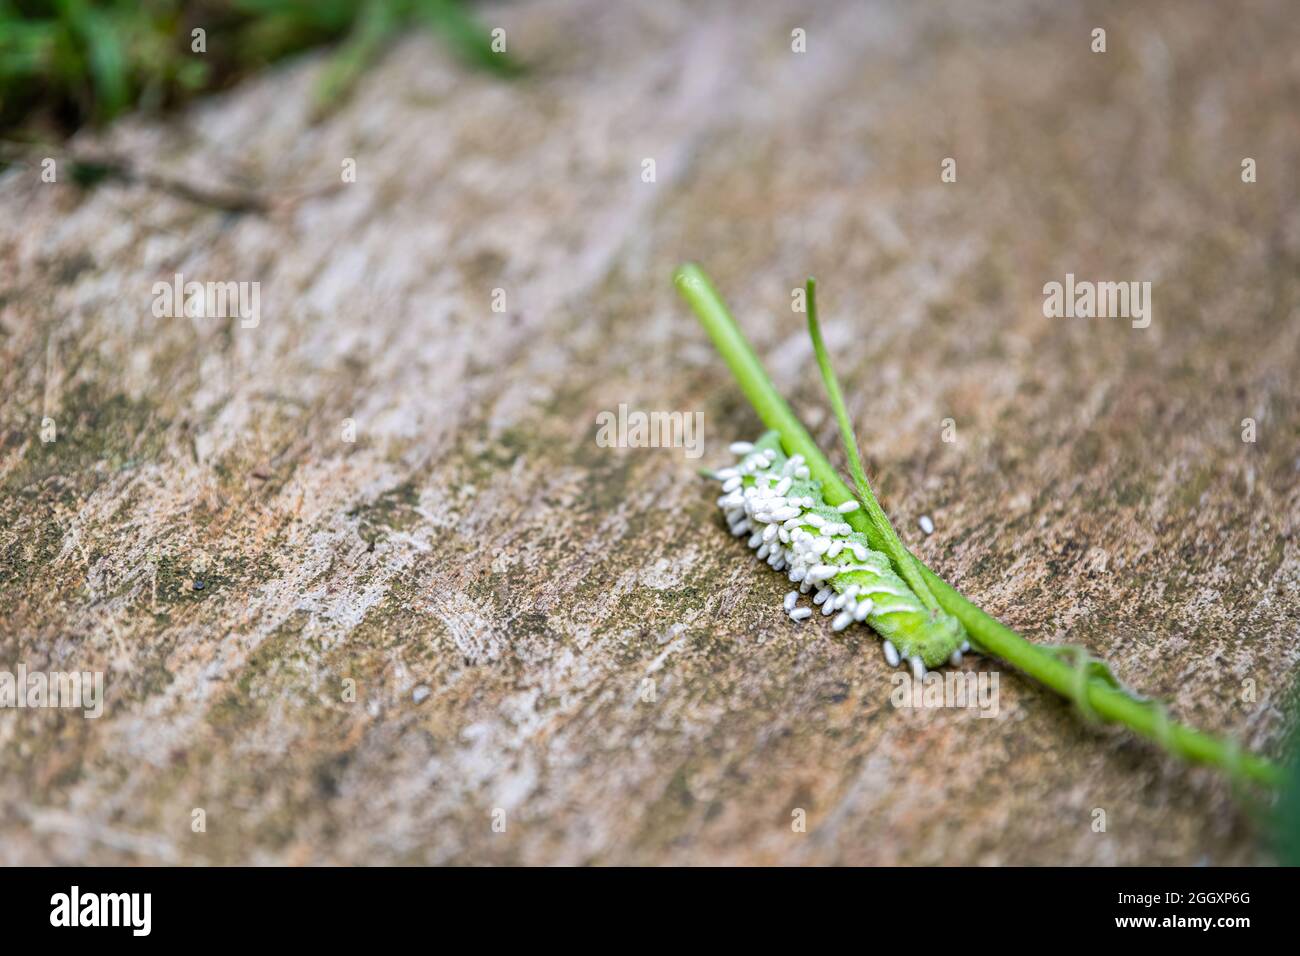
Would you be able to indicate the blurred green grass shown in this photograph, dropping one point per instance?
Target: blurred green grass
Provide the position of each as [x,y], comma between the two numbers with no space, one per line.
[1286,815]
[65,63]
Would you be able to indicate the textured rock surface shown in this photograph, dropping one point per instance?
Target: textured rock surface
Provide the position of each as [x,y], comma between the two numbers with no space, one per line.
[499,587]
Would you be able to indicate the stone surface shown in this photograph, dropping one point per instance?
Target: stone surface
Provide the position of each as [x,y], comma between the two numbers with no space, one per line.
[476,544]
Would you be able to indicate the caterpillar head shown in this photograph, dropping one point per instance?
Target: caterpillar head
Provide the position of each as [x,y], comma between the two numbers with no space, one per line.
[935,642]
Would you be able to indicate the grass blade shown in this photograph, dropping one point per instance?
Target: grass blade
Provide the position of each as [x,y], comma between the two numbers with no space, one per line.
[904,563]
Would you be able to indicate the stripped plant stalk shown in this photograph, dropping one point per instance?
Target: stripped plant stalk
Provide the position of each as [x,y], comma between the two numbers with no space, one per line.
[901,557]
[1087,682]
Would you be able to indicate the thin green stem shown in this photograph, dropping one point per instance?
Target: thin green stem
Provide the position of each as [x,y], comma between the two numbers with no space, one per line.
[989,635]
[903,560]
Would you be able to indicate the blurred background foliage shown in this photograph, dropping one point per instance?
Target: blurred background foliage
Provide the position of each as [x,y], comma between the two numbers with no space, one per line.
[65,63]
[1286,817]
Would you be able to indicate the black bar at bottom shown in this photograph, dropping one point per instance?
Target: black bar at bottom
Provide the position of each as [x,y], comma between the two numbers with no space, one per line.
[336,906]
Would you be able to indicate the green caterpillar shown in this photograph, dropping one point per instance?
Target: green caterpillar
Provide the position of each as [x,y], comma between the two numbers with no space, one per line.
[774,500]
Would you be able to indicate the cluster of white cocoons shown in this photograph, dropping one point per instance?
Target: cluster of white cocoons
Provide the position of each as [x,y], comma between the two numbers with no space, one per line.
[776,524]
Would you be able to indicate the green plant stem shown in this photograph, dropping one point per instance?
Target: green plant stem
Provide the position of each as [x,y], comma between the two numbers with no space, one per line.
[989,635]
[904,561]
[376,23]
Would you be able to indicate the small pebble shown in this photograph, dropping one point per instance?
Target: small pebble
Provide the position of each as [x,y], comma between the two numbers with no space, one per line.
[926,524]
[198,585]
[420,693]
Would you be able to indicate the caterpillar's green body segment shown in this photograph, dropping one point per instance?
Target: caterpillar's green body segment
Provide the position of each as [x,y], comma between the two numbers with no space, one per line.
[896,613]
